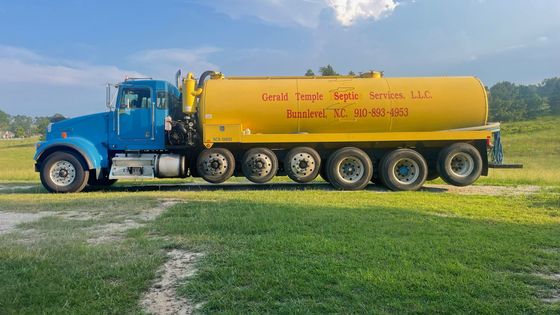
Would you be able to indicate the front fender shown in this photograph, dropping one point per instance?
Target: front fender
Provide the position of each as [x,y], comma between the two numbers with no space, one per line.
[94,158]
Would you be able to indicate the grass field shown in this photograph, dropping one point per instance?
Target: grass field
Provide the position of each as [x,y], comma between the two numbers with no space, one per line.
[288,249]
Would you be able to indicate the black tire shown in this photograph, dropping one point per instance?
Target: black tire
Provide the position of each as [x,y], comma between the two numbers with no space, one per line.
[302,164]
[459,164]
[215,165]
[259,165]
[411,177]
[432,174]
[354,162]
[72,175]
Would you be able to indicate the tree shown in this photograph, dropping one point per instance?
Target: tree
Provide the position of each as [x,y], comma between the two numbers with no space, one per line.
[550,89]
[351,73]
[309,73]
[41,123]
[4,121]
[20,132]
[509,101]
[57,117]
[327,71]
[19,123]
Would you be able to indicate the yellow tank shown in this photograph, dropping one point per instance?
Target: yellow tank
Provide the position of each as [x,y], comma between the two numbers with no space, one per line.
[334,105]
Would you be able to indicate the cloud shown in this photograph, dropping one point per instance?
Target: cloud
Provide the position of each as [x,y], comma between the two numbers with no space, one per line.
[20,65]
[349,11]
[304,13]
[163,63]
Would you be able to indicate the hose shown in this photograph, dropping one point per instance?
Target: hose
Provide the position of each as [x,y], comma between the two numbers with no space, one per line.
[497,151]
[203,78]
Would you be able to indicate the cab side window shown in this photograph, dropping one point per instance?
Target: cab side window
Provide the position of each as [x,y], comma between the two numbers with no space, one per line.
[135,98]
[162,99]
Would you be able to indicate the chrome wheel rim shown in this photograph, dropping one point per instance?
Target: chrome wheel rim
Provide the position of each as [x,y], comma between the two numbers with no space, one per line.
[302,164]
[462,164]
[259,164]
[406,171]
[62,173]
[351,169]
[215,164]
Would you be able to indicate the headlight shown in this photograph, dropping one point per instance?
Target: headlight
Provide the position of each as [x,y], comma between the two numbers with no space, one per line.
[49,127]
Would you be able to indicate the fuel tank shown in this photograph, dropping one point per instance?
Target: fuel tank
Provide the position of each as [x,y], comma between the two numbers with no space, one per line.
[291,105]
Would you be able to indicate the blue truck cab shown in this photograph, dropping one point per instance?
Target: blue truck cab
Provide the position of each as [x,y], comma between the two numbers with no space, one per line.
[79,151]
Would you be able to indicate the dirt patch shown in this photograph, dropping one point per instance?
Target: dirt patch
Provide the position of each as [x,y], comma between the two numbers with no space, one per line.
[111,232]
[9,220]
[552,296]
[485,190]
[114,232]
[78,215]
[16,187]
[162,298]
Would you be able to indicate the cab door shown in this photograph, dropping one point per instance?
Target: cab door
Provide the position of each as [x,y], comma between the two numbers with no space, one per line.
[135,115]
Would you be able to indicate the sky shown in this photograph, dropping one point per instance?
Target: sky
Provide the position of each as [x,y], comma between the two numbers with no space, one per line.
[57,56]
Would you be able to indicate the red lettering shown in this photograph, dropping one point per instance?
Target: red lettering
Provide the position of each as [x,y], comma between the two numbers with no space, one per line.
[345,97]
[282,97]
[340,113]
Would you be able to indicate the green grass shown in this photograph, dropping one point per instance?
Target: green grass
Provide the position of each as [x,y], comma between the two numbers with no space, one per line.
[311,251]
[350,253]
[16,160]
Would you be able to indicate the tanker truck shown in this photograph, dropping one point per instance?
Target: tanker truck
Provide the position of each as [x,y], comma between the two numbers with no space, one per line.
[350,130]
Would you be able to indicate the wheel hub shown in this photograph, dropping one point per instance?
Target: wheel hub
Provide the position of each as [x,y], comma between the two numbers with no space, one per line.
[303,164]
[260,164]
[406,171]
[216,164]
[62,173]
[351,169]
[403,171]
[462,164]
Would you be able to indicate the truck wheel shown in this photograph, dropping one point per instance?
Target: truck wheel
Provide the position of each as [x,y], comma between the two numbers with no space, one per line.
[215,165]
[63,172]
[459,164]
[302,164]
[403,169]
[259,165]
[349,169]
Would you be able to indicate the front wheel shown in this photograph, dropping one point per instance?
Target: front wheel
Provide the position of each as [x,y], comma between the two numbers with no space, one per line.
[63,172]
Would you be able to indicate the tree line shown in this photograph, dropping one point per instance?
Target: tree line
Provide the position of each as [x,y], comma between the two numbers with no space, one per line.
[507,101]
[26,126]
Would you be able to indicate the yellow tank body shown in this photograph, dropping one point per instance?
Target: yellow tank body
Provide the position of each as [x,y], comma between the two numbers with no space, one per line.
[246,109]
